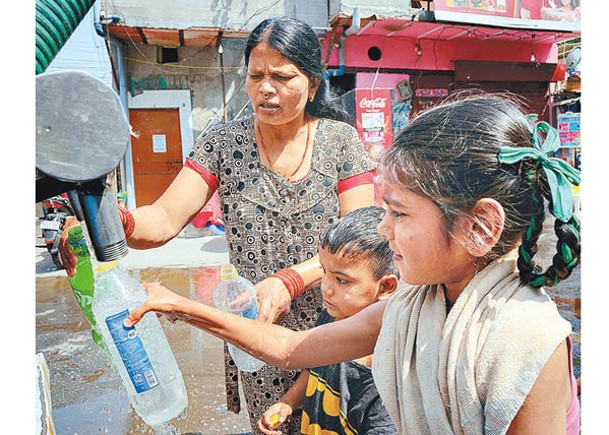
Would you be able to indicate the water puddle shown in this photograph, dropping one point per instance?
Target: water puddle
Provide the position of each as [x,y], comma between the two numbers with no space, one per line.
[88,396]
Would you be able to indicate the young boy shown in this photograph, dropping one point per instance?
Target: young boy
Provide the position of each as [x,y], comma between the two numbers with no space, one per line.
[358,271]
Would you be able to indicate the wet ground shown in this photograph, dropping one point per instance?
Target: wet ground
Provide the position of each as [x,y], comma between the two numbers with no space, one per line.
[88,396]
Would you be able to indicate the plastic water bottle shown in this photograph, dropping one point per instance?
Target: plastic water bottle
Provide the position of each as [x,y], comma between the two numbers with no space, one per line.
[83,281]
[141,354]
[237,295]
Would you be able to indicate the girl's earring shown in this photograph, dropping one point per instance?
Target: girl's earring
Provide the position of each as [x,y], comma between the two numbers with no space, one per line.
[311,98]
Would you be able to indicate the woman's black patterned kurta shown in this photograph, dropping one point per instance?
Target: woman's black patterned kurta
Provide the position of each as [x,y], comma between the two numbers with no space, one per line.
[272,224]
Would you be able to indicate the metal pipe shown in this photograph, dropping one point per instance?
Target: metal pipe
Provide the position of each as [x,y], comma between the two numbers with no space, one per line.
[221,56]
[356,23]
[127,160]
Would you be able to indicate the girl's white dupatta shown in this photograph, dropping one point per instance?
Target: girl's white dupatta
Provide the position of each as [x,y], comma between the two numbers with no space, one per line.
[468,372]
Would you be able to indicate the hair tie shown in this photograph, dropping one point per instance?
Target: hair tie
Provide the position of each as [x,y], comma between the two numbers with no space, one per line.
[559,173]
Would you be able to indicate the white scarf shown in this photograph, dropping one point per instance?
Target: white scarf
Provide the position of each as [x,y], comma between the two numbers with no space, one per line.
[468,372]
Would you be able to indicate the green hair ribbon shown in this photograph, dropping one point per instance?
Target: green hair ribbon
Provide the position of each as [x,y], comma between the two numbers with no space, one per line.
[559,173]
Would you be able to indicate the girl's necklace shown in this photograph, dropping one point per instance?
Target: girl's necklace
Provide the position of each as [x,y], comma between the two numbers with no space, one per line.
[304,155]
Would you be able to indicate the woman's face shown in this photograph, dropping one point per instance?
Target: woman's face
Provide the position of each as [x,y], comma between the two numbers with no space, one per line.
[424,251]
[277,88]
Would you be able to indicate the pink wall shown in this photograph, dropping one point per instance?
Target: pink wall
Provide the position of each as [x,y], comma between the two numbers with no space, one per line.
[382,81]
[438,54]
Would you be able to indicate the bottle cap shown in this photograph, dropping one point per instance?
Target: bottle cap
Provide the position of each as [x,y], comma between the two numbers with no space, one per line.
[75,236]
[228,272]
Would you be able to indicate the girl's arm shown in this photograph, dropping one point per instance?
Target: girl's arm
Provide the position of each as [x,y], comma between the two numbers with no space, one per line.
[271,292]
[335,342]
[544,409]
[161,221]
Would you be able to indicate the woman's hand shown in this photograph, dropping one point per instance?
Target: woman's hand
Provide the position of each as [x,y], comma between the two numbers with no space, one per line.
[161,300]
[68,258]
[274,417]
[274,300]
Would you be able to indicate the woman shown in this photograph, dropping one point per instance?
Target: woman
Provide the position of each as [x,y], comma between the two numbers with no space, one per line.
[283,174]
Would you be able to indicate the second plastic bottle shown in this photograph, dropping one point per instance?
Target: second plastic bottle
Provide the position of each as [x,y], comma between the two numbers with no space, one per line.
[237,295]
[141,353]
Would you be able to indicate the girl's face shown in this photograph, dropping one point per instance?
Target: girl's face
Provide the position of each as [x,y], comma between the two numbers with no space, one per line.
[277,88]
[424,251]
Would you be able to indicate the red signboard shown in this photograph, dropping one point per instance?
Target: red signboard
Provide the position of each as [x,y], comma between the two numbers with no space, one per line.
[374,124]
[562,15]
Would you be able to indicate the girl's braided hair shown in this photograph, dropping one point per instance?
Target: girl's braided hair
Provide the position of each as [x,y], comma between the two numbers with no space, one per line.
[449,155]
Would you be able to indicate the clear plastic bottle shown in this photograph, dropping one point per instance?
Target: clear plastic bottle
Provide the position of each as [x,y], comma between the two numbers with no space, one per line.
[141,354]
[83,280]
[237,295]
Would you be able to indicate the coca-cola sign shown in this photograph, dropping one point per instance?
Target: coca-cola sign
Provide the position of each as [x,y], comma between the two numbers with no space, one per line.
[376,103]
[373,113]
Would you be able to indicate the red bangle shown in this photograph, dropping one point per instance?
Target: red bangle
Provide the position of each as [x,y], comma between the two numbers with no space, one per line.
[127,221]
[292,281]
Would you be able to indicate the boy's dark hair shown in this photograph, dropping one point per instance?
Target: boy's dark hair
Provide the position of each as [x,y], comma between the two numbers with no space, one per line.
[355,236]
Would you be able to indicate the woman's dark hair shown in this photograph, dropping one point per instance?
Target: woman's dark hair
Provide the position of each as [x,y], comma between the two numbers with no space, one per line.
[449,155]
[355,236]
[297,42]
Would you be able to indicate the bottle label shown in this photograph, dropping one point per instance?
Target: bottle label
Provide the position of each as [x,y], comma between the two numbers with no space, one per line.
[251,312]
[132,352]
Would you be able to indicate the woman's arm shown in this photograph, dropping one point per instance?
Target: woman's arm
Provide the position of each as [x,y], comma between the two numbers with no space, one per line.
[356,197]
[544,409]
[161,221]
[155,224]
[273,295]
[331,343]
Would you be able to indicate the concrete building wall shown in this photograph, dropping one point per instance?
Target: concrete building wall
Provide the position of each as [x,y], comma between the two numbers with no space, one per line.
[229,14]
[199,72]
[385,8]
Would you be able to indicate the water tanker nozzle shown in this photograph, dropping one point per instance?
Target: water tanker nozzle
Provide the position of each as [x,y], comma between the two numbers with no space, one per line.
[82,134]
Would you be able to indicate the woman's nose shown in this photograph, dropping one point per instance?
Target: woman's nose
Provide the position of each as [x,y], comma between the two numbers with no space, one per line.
[266,87]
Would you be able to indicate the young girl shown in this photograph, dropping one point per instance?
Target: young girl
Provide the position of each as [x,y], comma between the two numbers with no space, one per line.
[472,344]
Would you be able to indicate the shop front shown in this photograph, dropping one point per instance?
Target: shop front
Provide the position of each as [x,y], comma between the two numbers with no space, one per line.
[415,62]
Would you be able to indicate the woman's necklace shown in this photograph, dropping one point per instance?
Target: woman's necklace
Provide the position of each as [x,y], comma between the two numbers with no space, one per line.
[304,155]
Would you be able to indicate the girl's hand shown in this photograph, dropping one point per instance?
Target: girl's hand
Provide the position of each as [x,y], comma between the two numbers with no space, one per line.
[274,417]
[160,299]
[274,300]
[68,259]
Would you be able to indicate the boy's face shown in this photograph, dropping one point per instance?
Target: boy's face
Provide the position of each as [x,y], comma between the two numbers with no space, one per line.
[348,285]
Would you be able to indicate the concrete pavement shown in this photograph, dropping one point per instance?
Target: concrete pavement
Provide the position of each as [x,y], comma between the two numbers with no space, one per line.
[190,248]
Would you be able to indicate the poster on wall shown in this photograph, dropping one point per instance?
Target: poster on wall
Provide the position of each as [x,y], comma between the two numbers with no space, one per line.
[560,15]
[373,122]
[373,119]
[569,129]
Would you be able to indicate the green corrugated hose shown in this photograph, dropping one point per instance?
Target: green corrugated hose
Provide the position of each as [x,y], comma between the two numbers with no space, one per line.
[56,20]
